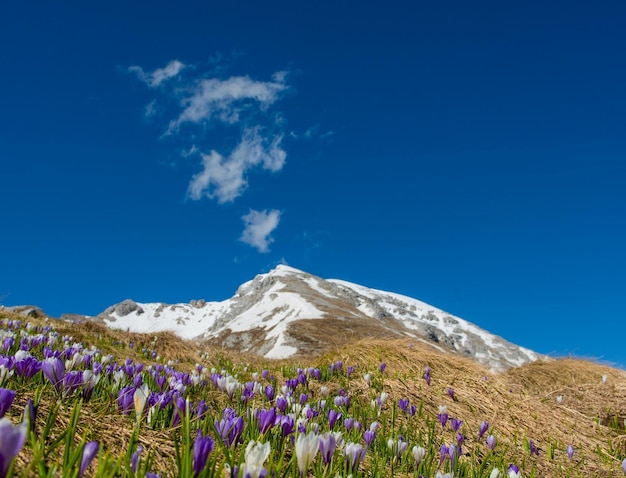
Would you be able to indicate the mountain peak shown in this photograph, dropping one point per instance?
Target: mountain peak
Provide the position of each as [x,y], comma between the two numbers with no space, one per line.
[287,312]
[284,269]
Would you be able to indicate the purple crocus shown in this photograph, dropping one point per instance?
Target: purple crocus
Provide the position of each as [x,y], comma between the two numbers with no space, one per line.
[230,427]
[443,453]
[513,471]
[12,439]
[269,392]
[281,404]
[328,443]
[125,400]
[369,437]
[354,454]
[570,451]
[427,375]
[287,425]
[27,367]
[533,448]
[201,449]
[134,460]
[624,465]
[453,453]
[443,416]
[483,429]
[456,424]
[491,442]
[382,367]
[333,416]
[89,453]
[6,400]
[348,423]
[266,419]
[451,394]
[54,370]
[403,404]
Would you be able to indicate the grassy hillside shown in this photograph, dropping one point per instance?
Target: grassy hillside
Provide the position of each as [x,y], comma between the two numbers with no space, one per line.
[212,412]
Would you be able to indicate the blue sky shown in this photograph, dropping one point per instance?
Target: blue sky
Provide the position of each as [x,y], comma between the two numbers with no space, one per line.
[471,155]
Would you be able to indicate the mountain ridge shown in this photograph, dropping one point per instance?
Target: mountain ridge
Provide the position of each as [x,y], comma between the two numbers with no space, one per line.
[288,312]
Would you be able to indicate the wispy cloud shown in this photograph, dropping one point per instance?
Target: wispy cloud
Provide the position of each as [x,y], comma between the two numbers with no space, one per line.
[224,178]
[196,102]
[226,100]
[258,227]
[158,76]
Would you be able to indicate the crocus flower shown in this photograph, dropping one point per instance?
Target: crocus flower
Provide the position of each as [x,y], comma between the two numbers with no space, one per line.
[6,400]
[397,447]
[533,448]
[514,472]
[559,399]
[382,367]
[89,453]
[27,367]
[570,451]
[230,427]
[255,456]
[6,371]
[354,453]
[483,429]
[443,415]
[491,442]
[456,424]
[201,449]
[369,437]
[287,425]
[624,465]
[368,379]
[266,419]
[54,370]
[443,453]
[427,375]
[333,416]
[328,443]
[269,392]
[12,439]
[495,473]
[307,446]
[418,454]
[139,399]
[134,459]
[282,403]
[451,393]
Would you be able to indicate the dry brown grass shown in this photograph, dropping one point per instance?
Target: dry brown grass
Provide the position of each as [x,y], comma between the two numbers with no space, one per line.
[519,404]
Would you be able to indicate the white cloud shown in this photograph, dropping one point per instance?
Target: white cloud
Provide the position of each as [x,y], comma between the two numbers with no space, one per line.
[224,178]
[158,76]
[258,227]
[225,100]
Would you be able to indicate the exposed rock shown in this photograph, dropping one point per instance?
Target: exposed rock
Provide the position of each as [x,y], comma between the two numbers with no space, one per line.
[124,308]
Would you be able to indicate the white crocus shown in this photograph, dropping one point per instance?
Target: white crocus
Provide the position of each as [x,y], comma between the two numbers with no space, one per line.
[418,454]
[307,446]
[255,456]
[140,397]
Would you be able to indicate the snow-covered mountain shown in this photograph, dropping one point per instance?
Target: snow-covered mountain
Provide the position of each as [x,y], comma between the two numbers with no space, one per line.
[287,312]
